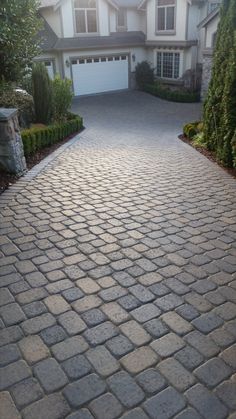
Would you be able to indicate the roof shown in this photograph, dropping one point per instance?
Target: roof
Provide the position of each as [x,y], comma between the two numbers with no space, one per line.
[116,39]
[127,3]
[47,37]
[209,18]
[114,3]
[47,3]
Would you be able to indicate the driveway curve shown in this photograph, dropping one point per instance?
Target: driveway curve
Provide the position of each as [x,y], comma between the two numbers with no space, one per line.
[118,274]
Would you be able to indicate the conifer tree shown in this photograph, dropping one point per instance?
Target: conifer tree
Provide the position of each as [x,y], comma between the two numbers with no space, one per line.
[220,105]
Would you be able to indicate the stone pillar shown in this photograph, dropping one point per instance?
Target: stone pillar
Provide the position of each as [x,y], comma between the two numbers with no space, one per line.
[12,157]
[206,73]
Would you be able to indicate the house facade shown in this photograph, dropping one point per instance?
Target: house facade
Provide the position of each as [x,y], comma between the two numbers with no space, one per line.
[208,29]
[98,43]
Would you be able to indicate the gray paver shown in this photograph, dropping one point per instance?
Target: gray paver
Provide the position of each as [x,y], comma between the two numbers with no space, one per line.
[125,389]
[151,381]
[106,407]
[26,392]
[50,375]
[76,367]
[165,404]
[84,390]
[53,406]
[13,373]
[213,372]
[207,404]
[8,354]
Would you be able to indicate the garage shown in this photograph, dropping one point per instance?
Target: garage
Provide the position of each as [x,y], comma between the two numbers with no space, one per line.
[100,74]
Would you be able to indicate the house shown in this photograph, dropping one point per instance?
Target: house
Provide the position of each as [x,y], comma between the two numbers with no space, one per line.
[98,43]
[208,28]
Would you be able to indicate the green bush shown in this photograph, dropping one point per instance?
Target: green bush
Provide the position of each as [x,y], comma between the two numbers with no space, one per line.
[42,93]
[35,139]
[144,74]
[199,140]
[62,97]
[171,95]
[10,98]
[190,130]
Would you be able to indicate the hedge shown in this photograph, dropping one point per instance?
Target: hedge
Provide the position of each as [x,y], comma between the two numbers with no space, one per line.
[35,139]
[171,95]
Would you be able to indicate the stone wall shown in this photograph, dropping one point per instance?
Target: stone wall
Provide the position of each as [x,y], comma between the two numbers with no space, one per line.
[12,157]
[206,74]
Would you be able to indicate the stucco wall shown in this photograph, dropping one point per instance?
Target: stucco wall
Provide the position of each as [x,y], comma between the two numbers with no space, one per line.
[53,18]
[211,29]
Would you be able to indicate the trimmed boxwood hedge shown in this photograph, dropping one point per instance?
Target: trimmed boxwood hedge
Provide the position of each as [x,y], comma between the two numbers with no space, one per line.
[171,95]
[35,139]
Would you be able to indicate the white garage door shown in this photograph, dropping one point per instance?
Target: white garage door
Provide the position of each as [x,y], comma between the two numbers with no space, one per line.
[100,74]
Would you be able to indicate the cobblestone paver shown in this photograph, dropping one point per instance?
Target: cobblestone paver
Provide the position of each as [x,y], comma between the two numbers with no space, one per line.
[118,274]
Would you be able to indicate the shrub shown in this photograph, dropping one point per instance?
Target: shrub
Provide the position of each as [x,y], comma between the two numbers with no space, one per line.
[35,139]
[173,96]
[42,93]
[144,74]
[190,130]
[62,97]
[10,98]
[199,140]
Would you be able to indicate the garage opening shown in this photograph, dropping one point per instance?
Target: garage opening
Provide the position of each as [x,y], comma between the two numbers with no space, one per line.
[100,74]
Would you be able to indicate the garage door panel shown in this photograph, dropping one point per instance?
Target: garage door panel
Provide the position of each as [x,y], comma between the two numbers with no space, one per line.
[102,76]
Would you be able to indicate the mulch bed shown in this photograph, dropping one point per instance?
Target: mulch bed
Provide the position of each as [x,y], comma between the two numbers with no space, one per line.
[210,155]
[7,179]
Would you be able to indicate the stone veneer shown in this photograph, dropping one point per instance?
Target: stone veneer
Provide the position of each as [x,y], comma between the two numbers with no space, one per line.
[206,73]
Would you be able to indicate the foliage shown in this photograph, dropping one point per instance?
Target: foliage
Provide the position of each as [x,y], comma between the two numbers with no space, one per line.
[62,97]
[171,95]
[10,98]
[19,25]
[144,74]
[192,129]
[35,139]
[42,93]
[220,104]
[199,140]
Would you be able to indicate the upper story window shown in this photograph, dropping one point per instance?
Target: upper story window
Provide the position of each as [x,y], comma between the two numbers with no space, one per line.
[85,16]
[121,20]
[165,16]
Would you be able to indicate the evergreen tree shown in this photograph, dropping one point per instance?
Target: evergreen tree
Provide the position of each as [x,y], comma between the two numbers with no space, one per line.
[19,26]
[42,93]
[220,105]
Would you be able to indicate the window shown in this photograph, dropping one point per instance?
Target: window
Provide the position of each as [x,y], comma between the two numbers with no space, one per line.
[85,16]
[165,15]
[168,65]
[121,20]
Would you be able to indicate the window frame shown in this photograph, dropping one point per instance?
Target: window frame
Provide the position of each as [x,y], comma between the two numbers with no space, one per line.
[86,33]
[124,27]
[162,52]
[165,7]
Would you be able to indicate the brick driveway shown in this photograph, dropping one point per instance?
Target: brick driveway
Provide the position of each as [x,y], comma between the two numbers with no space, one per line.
[118,285]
